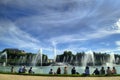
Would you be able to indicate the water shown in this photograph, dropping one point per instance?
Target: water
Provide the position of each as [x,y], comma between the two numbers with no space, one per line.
[64,59]
[60,64]
[37,58]
[54,50]
[4,64]
[4,54]
[45,69]
[71,59]
[88,58]
[111,60]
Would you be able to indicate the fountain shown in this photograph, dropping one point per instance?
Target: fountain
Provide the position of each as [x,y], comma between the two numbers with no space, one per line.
[54,50]
[88,59]
[37,58]
[111,60]
[64,63]
[71,59]
[76,61]
[41,57]
[64,59]
[4,54]
[55,54]
[117,60]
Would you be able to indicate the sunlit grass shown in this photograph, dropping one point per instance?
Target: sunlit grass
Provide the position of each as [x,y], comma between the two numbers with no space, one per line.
[59,75]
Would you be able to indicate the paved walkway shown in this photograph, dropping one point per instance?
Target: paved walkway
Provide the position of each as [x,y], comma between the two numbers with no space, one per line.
[22,77]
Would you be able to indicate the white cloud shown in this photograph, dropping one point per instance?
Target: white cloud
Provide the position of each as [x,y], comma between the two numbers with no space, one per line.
[13,36]
[118,25]
[107,50]
[79,14]
[55,17]
[117,43]
[99,33]
[104,43]
[118,46]
[75,48]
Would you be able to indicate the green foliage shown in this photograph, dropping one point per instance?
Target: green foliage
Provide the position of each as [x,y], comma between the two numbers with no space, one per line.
[67,53]
[14,56]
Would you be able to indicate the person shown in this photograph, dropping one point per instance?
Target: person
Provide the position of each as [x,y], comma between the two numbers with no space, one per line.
[65,70]
[73,71]
[30,71]
[51,71]
[12,69]
[20,69]
[114,70]
[87,71]
[108,71]
[24,70]
[96,72]
[102,71]
[58,70]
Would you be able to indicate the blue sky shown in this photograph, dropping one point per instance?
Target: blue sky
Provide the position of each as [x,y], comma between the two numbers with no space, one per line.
[76,25]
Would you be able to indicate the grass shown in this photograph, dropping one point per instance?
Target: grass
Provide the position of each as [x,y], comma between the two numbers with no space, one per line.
[59,75]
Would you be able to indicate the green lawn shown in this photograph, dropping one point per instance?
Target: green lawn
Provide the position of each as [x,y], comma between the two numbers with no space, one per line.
[60,75]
